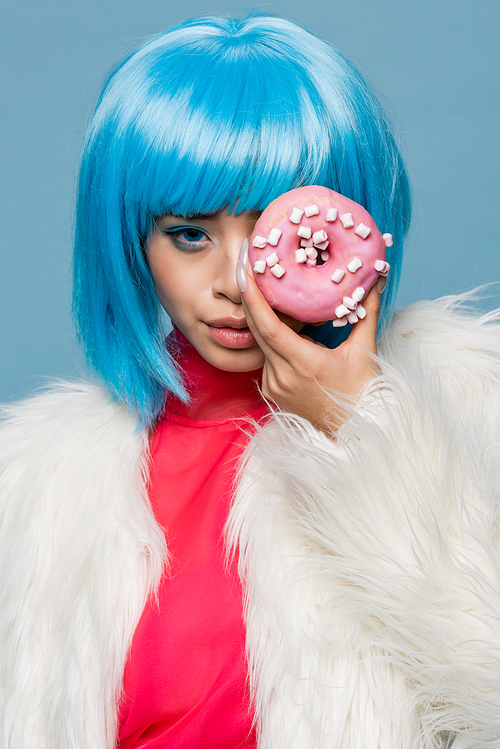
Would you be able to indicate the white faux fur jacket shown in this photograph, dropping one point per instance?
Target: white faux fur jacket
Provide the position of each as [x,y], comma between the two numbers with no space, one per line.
[371,564]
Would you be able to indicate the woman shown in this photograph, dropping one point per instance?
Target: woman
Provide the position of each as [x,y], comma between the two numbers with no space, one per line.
[364,524]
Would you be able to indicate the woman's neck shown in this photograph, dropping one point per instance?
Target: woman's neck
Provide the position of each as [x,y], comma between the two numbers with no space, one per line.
[214,393]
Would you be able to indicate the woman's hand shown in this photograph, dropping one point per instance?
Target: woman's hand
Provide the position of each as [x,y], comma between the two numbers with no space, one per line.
[297,371]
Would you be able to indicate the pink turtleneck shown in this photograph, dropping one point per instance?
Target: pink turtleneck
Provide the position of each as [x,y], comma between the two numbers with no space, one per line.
[185,679]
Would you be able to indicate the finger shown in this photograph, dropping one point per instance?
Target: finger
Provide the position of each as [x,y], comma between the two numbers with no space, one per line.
[276,339]
[243,273]
[241,265]
[364,331]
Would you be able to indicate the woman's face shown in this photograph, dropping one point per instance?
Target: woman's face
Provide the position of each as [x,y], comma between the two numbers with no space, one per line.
[193,263]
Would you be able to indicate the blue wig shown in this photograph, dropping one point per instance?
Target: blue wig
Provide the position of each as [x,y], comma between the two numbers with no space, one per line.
[214,113]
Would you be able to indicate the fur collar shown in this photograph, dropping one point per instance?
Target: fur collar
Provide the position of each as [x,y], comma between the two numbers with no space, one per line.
[80,553]
[371,564]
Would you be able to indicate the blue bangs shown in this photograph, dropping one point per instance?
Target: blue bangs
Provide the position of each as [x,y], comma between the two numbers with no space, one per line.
[236,139]
[215,113]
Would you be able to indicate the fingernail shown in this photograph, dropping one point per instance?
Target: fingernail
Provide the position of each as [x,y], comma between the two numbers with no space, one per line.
[381,282]
[244,253]
[241,276]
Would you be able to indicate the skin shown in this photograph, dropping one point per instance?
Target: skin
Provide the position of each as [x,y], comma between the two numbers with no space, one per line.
[193,264]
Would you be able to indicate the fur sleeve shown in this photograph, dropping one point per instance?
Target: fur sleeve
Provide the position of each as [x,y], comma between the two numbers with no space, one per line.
[79,552]
[371,563]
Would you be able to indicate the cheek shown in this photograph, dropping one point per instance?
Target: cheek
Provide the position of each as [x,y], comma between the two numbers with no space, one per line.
[182,280]
[162,282]
[178,287]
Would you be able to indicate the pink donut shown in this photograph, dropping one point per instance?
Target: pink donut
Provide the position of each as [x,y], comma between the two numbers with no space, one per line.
[316,254]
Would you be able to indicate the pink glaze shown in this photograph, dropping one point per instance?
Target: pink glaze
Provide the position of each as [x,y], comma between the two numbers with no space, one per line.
[306,292]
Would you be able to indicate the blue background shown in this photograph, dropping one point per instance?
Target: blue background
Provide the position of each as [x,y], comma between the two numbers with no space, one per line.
[435,62]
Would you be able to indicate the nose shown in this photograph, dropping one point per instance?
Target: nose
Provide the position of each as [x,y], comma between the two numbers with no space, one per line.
[225,284]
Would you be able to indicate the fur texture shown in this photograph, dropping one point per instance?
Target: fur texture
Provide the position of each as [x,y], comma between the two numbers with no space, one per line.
[80,551]
[370,564]
[372,584]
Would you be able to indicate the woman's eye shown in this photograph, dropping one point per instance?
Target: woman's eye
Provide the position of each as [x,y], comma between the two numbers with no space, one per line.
[187,238]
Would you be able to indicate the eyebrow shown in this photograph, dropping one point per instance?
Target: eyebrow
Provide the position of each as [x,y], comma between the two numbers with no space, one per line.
[202,216]
[194,216]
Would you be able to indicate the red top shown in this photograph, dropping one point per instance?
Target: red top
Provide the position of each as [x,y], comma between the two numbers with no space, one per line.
[185,679]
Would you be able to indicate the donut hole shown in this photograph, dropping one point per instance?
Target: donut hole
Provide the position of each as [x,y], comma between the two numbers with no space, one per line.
[322,260]
[315,255]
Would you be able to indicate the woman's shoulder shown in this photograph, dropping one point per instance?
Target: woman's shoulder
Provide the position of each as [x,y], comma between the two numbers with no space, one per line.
[71,433]
[61,412]
[451,326]
[59,400]
[446,347]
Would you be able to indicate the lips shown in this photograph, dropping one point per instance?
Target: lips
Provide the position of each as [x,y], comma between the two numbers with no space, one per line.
[231,332]
[237,323]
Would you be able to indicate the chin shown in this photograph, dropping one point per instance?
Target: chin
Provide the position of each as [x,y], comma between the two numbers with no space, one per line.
[236,360]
